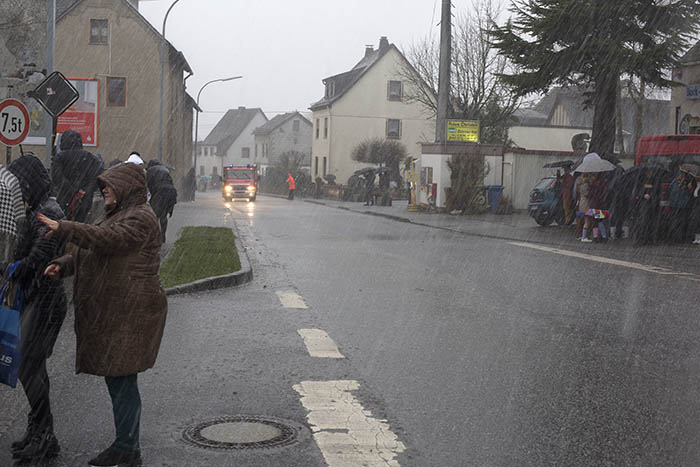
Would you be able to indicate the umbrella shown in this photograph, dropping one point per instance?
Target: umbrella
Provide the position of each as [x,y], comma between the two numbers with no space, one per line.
[691,169]
[593,163]
[364,171]
[557,165]
[382,170]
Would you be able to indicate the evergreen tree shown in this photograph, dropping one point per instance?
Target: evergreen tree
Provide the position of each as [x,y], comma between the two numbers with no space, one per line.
[592,43]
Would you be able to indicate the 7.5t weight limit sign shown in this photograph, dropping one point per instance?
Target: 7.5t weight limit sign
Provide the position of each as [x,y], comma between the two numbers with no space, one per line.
[14,122]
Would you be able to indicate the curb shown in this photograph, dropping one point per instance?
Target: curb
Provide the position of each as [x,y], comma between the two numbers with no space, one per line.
[240,277]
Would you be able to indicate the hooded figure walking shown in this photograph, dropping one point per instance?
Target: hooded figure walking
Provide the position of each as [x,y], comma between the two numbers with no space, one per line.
[44,306]
[74,173]
[120,305]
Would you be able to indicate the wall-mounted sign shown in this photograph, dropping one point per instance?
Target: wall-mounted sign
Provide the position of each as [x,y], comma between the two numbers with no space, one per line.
[83,116]
[689,125]
[463,130]
[692,92]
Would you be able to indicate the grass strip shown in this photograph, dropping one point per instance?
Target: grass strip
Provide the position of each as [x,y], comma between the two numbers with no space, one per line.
[200,252]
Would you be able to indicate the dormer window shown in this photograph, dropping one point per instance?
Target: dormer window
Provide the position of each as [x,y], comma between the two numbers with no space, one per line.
[330,89]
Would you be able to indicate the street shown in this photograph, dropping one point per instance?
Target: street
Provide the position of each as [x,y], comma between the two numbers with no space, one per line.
[450,349]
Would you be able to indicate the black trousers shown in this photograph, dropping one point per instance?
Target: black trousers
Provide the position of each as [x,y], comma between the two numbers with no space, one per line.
[291,194]
[126,406]
[35,382]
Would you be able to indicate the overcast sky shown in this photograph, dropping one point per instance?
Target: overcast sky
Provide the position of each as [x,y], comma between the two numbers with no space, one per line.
[282,48]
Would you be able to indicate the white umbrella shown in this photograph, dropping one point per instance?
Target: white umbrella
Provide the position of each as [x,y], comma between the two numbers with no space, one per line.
[593,163]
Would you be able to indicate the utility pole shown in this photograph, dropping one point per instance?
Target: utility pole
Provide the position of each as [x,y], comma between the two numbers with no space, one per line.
[444,76]
[50,122]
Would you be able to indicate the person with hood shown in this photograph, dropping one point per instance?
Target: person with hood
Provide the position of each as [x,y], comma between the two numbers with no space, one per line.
[163,193]
[120,305]
[292,186]
[74,173]
[44,306]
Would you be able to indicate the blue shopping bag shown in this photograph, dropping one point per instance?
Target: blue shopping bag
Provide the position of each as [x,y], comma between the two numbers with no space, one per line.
[10,347]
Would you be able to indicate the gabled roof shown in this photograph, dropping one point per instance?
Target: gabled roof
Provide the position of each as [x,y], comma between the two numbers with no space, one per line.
[692,55]
[656,112]
[344,81]
[230,127]
[278,121]
[64,7]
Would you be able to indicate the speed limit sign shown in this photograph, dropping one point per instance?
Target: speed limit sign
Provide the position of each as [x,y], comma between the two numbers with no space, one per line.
[14,122]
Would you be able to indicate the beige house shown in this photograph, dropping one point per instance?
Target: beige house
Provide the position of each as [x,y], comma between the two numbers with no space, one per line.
[685,100]
[114,52]
[367,101]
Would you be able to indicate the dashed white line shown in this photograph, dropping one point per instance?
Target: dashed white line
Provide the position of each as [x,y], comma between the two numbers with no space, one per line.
[319,344]
[344,431]
[602,259]
[291,299]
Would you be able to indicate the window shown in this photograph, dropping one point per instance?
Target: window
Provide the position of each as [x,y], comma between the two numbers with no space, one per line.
[394,90]
[318,125]
[116,92]
[325,128]
[330,89]
[98,31]
[295,125]
[201,170]
[324,166]
[316,166]
[245,153]
[393,129]
[214,170]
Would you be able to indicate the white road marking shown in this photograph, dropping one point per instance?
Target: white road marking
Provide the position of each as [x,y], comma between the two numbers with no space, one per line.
[344,431]
[319,344]
[291,299]
[602,259]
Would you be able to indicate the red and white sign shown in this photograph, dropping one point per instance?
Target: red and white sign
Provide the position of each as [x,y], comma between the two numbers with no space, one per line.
[84,115]
[14,122]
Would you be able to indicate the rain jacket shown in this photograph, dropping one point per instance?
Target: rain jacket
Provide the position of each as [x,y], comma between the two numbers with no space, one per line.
[290,182]
[163,191]
[45,300]
[120,305]
[75,169]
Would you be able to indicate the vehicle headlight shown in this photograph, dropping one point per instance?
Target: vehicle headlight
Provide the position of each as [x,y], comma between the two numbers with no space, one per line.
[228,188]
[251,188]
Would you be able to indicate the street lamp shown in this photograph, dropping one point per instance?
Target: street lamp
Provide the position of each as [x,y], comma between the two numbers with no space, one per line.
[162,87]
[196,125]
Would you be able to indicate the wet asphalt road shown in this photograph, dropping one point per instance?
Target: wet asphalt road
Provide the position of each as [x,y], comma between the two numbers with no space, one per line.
[476,351]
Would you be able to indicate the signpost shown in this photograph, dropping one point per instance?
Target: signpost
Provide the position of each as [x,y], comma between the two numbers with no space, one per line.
[463,130]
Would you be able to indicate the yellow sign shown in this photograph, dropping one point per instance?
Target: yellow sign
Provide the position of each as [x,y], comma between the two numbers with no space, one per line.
[463,130]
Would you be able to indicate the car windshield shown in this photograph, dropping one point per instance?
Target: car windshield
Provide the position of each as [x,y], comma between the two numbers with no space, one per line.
[352,233]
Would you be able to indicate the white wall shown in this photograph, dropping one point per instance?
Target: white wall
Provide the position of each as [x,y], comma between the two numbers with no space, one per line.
[544,138]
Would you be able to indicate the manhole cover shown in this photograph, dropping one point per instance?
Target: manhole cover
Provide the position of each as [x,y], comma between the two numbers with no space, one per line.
[242,432]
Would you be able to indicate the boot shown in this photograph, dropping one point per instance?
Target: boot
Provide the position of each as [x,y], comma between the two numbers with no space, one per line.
[22,443]
[42,444]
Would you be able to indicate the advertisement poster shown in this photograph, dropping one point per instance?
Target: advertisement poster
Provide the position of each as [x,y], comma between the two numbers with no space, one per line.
[463,130]
[83,116]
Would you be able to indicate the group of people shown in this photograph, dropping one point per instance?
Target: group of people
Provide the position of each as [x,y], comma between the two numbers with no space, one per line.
[604,200]
[120,305]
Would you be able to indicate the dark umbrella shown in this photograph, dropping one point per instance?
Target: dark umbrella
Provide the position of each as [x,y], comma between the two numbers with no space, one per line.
[558,165]
[382,170]
[691,169]
[364,171]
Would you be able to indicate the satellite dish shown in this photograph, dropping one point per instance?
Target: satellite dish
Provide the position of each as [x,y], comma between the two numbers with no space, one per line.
[579,142]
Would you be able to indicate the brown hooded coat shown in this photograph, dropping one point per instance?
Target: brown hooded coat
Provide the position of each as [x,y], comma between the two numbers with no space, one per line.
[120,305]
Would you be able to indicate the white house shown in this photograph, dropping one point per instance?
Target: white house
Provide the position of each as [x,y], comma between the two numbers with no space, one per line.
[368,101]
[285,133]
[231,141]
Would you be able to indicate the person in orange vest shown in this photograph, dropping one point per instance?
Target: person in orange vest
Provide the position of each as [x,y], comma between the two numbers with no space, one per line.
[292,186]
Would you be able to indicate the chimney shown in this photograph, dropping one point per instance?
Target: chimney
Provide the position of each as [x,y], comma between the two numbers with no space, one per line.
[241,107]
[369,49]
[383,43]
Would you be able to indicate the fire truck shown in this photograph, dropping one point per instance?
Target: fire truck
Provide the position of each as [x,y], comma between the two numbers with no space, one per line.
[240,182]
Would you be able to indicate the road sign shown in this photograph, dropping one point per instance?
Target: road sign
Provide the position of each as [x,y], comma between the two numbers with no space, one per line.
[463,130]
[14,122]
[55,94]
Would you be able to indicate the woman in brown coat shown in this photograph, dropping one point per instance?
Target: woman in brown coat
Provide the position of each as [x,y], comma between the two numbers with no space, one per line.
[120,305]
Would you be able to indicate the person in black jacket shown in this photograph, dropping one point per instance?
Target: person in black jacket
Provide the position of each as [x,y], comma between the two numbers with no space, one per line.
[44,305]
[74,172]
[163,193]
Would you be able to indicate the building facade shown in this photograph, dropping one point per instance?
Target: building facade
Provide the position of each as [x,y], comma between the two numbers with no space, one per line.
[685,100]
[366,102]
[285,133]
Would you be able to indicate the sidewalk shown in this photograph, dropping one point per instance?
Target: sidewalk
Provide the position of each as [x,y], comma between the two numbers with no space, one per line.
[520,227]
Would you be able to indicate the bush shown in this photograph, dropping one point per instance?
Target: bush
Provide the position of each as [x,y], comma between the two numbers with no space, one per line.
[467,175]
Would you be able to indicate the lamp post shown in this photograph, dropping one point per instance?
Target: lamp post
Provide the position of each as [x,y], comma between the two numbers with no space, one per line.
[196,124]
[162,87]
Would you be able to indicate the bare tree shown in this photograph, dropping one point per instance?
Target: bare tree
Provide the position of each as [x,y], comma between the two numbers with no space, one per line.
[476,91]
